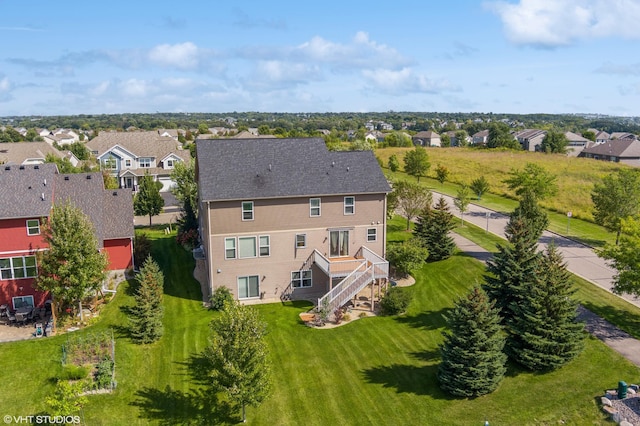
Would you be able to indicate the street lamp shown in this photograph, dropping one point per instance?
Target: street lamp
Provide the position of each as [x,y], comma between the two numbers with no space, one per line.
[569,214]
[488,214]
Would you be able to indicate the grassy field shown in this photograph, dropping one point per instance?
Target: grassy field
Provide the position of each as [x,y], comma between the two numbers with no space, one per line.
[370,371]
[575,176]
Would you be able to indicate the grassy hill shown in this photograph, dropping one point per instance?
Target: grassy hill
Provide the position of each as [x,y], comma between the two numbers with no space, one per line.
[575,176]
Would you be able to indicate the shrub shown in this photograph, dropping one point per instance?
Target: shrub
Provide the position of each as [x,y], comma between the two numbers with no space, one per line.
[102,375]
[141,248]
[220,297]
[346,317]
[363,315]
[395,301]
[188,239]
[406,256]
[338,314]
[74,372]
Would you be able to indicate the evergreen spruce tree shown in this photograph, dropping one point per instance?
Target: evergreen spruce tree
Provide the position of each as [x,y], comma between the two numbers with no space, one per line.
[146,316]
[535,217]
[432,230]
[512,270]
[546,334]
[473,361]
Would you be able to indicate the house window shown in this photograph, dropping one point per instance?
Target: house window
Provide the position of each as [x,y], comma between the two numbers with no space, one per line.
[110,163]
[301,240]
[229,248]
[169,164]
[265,249]
[127,163]
[339,243]
[349,205]
[145,163]
[247,247]
[314,207]
[18,267]
[247,210]
[248,287]
[33,227]
[22,302]
[372,234]
[301,279]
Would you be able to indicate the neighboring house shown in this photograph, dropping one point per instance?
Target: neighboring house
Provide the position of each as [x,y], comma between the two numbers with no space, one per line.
[30,153]
[129,156]
[601,136]
[626,151]
[28,192]
[576,143]
[623,135]
[480,138]
[286,218]
[454,139]
[375,136]
[171,133]
[426,138]
[245,134]
[530,139]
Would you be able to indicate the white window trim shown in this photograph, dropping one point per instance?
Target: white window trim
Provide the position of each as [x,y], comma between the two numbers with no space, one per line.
[375,235]
[301,279]
[127,163]
[247,277]
[255,246]
[311,207]
[353,206]
[243,211]
[305,241]
[24,268]
[142,164]
[31,227]
[13,300]
[235,248]
[260,246]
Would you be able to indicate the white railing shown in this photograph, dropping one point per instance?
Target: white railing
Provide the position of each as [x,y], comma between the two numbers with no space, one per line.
[321,261]
[351,285]
[380,265]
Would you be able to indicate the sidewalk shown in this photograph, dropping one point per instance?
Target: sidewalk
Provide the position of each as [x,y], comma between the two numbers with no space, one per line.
[612,336]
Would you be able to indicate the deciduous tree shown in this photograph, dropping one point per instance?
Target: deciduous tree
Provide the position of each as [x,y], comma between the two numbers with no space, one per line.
[624,257]
[533,179]
[416,162]
[441,174]
[479,186]
[412,199]
[616,198]
[462,200]
[393,163]
[237,355]
[148,201]
[73,265]
[554,142]
[473,361]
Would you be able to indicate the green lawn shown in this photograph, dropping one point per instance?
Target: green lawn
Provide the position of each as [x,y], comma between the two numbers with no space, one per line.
[371,371]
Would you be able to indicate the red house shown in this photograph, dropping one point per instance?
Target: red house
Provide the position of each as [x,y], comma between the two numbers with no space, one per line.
[27,194]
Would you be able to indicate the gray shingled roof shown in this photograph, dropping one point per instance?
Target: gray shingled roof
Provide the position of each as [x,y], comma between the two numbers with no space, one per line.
[18,152]
[111,215]
[232,169]
[141,144]
[623,148]
[30,191]
[26,191]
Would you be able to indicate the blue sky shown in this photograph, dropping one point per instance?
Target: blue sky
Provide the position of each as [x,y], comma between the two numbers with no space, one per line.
[524,56]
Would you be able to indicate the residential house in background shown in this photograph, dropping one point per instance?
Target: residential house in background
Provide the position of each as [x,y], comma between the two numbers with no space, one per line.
[427,138]
[374,136]
[480,138]
[28,193]
[626,151]
[286,218]
[623,135]
[530,139]
[31,153]
[129,156]
[576,143]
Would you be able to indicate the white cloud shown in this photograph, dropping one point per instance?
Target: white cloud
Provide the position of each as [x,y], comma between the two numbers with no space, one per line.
[183,55]
[5,85]
[552,23]
[406,81]
[619,69]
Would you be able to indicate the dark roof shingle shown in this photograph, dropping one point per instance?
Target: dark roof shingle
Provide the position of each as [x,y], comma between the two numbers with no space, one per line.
[232,169]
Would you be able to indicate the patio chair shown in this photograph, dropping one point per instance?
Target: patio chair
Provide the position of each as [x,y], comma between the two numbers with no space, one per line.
[11,317]
[39,330]
[21,318]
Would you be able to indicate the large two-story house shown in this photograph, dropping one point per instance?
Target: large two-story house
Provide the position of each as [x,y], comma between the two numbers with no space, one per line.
[28,193]
[128,156]
[286,218]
